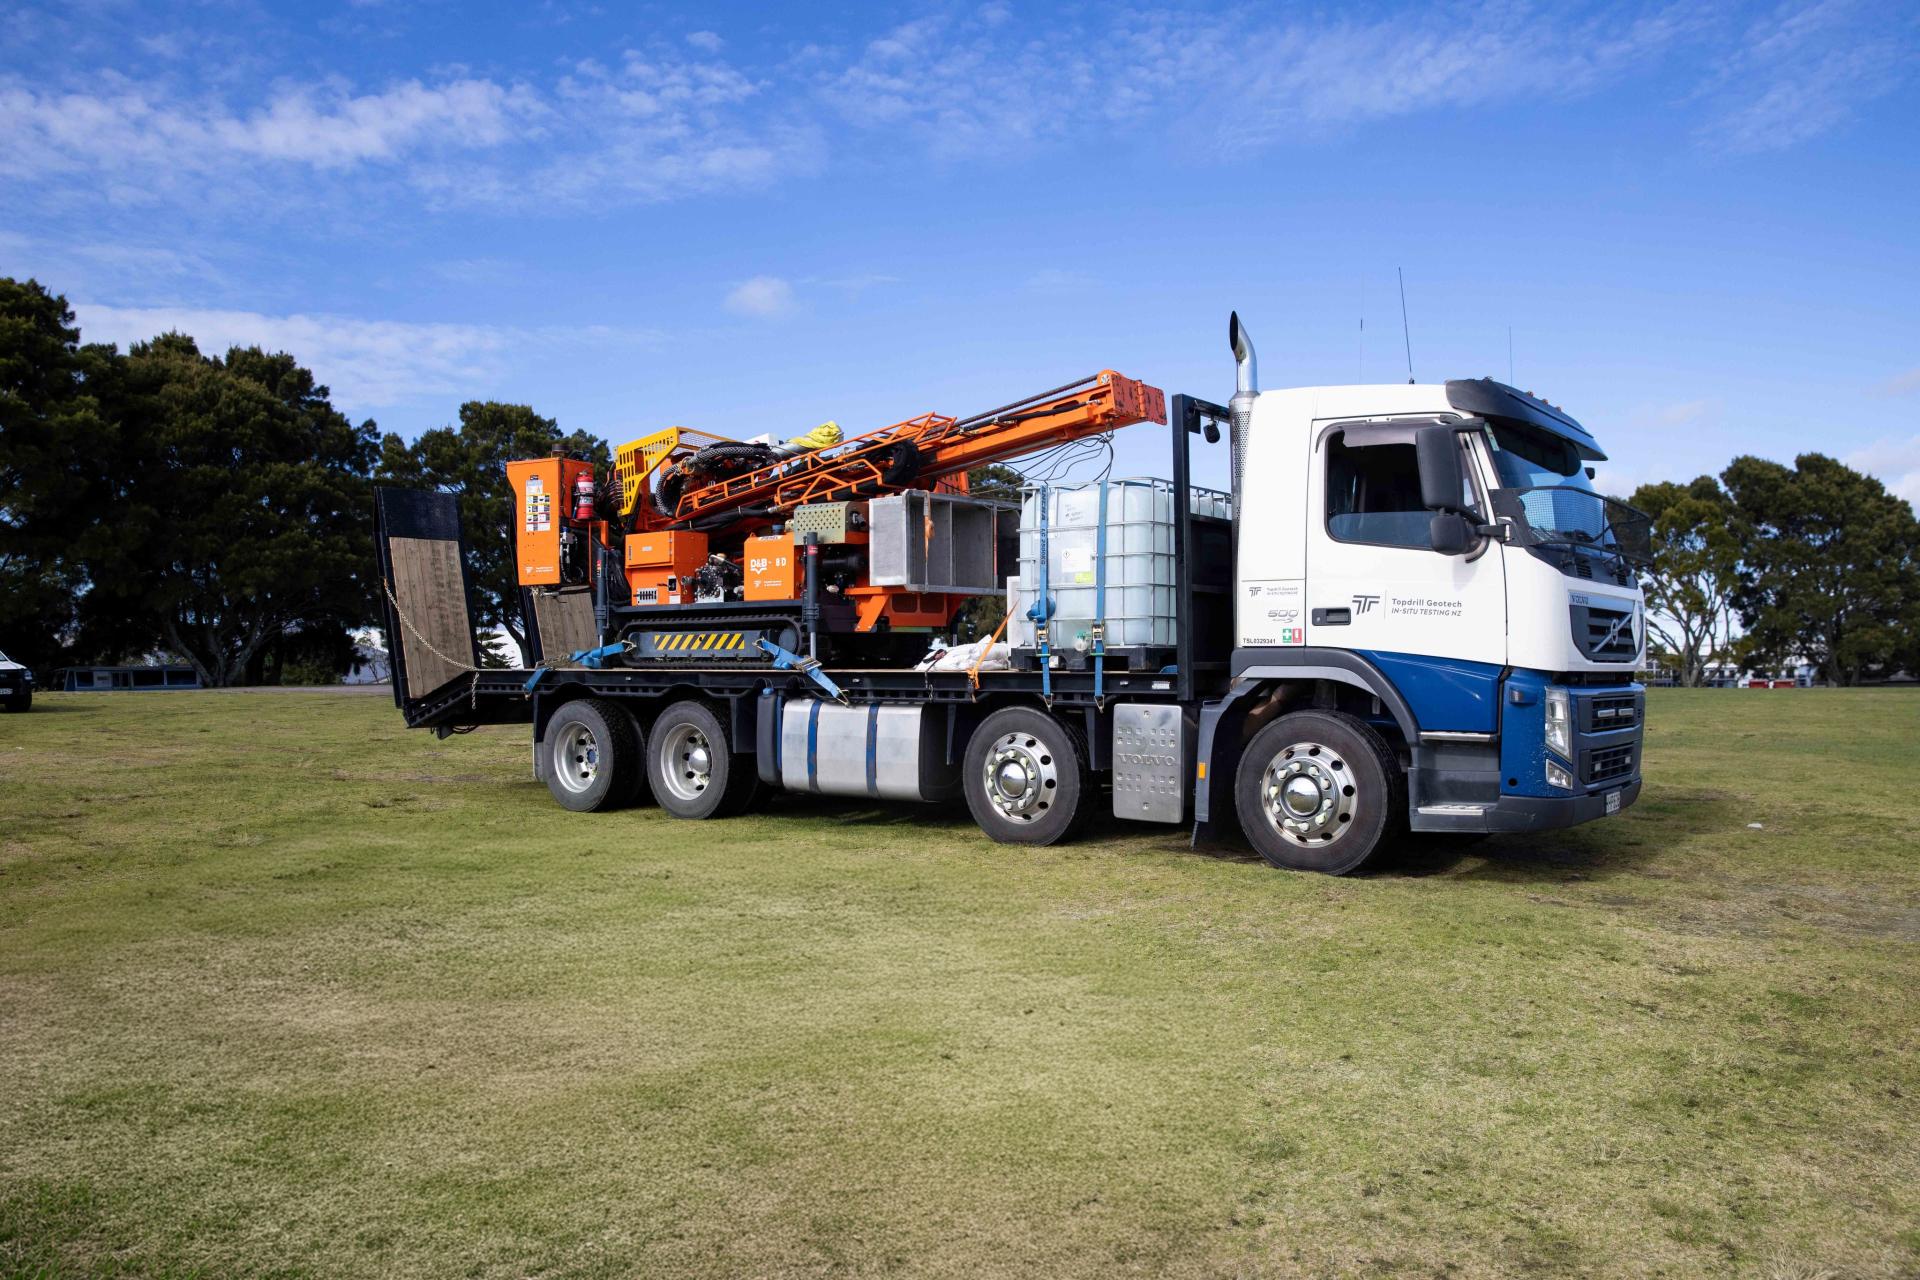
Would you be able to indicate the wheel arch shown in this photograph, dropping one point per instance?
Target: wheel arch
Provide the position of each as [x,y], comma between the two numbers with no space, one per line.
[1269,682]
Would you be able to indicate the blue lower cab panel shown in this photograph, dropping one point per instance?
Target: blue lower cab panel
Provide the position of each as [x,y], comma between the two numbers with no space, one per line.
[1607,733]
[1446,695]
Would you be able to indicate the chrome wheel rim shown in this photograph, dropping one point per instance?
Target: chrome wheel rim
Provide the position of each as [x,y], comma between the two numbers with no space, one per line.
[686,761]
[576,757]
[1308,795]
[1021,776]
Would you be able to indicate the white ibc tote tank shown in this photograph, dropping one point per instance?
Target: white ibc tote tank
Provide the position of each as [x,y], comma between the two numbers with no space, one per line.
[1139,561]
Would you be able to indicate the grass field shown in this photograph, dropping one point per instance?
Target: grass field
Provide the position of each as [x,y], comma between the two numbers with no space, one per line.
[285,990]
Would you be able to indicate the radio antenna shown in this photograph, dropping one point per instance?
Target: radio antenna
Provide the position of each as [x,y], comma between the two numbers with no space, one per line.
[1509,355]
[1406,330]
[1363,332]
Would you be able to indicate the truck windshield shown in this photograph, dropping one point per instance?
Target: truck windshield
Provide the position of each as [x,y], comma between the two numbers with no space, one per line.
[1535,460]
[1545,484]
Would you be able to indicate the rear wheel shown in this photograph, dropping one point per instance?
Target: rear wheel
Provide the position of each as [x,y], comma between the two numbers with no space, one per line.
[692,765]
[592,751]
[1026,778]
[1318,791]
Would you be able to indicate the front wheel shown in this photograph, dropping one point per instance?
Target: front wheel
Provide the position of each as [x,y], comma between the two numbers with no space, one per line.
[693,767]
[22,700]
[1318,791]
[1026,778]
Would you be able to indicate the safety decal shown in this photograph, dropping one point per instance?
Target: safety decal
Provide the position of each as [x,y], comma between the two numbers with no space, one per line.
[1276,609]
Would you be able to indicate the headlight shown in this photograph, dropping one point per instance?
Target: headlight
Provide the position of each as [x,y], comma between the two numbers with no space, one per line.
[1559,722]
[1558,777]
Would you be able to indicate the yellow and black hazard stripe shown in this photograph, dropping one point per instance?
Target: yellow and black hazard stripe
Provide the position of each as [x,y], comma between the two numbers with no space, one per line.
[689,642]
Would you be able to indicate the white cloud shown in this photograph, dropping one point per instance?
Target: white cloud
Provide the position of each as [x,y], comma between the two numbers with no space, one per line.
[762,297]
[968,85]
[367,363]
[1802,71]
[1896,462]
[94,266]
[1901,384]
[127,125]
[676,117]
[650,129]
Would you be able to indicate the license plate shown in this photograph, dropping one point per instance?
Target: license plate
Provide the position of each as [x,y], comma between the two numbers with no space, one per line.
[1613,802]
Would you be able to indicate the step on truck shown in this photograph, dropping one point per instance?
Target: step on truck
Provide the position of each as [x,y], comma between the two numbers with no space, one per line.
[1411,613]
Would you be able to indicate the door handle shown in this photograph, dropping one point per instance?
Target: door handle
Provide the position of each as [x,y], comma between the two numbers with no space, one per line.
[1332,617]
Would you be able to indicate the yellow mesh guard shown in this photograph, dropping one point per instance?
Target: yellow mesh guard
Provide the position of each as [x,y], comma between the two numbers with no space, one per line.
[638,459]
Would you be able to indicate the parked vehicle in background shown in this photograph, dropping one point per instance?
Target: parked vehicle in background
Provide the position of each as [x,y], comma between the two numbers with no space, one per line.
[16,685]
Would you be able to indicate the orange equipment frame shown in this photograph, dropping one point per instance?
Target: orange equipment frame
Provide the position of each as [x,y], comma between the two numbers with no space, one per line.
[940,447]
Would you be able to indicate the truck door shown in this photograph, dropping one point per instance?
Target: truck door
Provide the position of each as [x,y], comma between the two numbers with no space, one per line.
[1373,583]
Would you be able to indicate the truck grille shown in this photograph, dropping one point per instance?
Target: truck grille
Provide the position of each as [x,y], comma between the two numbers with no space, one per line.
[1606,635]
[1612,711]
[1610,762]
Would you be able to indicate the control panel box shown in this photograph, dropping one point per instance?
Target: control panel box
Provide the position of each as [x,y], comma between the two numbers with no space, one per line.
[543,489]
[772,567]
[659,565]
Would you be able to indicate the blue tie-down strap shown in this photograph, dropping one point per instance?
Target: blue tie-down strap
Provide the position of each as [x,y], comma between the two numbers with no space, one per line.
[787,660]
[597,658]
[593,659]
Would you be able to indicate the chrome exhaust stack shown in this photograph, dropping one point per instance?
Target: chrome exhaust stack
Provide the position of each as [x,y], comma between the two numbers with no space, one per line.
[1246,389]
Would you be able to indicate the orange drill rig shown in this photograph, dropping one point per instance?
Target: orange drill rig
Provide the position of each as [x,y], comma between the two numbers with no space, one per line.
[860,547]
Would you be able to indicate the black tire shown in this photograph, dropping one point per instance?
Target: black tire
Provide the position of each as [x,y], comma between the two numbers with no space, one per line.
[591,755]
[684,737]
[1338,767]
[20,700]
[1046,759]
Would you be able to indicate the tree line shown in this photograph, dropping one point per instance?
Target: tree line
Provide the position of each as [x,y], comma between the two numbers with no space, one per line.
[1768,563]
[219,508]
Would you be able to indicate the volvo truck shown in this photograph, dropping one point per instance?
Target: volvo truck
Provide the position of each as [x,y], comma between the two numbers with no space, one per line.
[1412,614]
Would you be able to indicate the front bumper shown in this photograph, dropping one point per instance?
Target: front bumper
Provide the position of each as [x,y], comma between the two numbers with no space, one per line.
[1533,813]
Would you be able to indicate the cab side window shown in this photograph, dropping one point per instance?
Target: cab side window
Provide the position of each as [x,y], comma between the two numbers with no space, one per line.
[1373,494]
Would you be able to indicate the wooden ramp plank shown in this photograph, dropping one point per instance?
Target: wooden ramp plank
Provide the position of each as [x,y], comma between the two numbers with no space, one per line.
[432,596]
[565,620]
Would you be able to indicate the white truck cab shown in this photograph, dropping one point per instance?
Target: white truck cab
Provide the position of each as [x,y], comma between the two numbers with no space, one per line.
[1440,550]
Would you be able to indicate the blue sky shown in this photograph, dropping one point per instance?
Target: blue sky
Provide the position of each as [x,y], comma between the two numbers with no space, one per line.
[1699,223]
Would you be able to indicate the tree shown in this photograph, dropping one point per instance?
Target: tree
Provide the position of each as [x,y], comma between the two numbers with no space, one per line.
[1830,568]
[239,513]
[50,431]
[1695,573]
[471,461]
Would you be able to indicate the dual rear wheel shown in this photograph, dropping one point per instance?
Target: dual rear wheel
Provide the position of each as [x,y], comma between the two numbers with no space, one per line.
[596,757]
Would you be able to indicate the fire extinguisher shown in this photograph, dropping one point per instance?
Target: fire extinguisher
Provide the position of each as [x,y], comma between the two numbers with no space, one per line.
[583,496]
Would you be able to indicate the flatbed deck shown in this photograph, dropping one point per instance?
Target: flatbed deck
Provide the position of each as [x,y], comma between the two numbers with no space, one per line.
[501,695]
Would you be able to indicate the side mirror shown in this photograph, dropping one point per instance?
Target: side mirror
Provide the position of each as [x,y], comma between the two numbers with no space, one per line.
[1441,483]
[1450,533]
